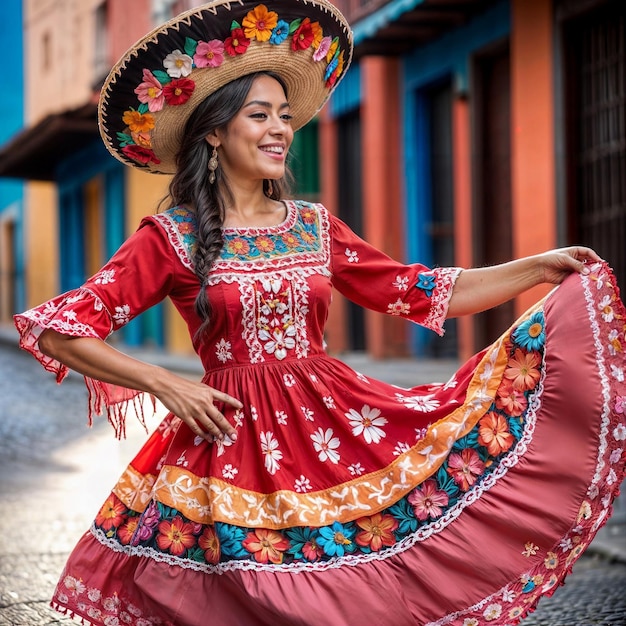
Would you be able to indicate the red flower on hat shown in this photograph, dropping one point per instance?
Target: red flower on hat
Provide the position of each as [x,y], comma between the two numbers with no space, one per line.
[303,36]
[140,154]
[178,91]
[237,43]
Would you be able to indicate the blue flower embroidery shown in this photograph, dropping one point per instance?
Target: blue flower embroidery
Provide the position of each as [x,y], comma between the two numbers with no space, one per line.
[337,539]
[531,334]
[426,282]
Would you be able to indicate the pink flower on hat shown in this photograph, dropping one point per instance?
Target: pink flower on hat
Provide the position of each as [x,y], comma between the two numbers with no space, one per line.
[323,49]
[209,53]
[150,92]
[178,64]
[178,91]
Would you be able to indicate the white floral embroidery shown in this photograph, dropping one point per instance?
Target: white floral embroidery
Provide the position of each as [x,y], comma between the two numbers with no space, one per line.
[238,417]
[616,455]
[367,423]
[313,377]
[279,341]
[302,484]
[420,433]
[111,603]
[182,460]
[614,343]
[362,378]
[329,402]
[222,444]
[401,448]
[326,445]
[269,448]
[105,277]
[470,621]
[198,440]
[493,611]
[508,595]
[281,418]
[69,315]
[611,478]
[617,373]
[353,257]
[122,314]
[229,471]
[356,469]
[566,544]
[74,585]
[401,283]
[607,310]
[253,413]
[424,404]
[398,308]
[308,414]
[94,594]
[222,350]
[619,432]
[289,380]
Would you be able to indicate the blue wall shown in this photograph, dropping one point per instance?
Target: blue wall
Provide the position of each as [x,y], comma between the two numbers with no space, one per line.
[11,122]
[446,59]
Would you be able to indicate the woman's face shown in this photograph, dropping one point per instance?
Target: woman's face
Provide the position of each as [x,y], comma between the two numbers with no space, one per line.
[254,145]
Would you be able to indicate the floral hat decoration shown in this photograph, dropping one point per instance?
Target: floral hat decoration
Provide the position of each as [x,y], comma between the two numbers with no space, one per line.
[151,92]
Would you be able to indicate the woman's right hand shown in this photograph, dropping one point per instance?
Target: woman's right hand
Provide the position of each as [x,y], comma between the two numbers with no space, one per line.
[195,404]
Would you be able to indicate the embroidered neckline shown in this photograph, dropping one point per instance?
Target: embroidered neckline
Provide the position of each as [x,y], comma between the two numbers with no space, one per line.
[283,226]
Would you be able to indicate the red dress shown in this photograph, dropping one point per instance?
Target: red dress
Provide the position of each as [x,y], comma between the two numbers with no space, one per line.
[344,500]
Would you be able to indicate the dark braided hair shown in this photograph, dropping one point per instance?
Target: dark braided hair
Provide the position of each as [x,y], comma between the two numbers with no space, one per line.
[190,185]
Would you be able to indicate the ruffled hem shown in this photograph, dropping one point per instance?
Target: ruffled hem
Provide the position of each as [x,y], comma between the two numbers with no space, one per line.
[62,314]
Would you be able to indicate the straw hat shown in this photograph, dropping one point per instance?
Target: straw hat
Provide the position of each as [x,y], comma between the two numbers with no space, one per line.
[151,92]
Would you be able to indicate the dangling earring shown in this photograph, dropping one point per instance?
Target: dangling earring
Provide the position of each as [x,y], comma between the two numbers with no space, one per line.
[270,188]
[212,165]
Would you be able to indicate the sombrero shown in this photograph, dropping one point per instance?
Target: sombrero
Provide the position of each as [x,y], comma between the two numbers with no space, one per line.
[151,92]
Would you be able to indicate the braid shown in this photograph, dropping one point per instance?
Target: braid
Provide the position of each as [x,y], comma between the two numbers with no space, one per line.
[190,185]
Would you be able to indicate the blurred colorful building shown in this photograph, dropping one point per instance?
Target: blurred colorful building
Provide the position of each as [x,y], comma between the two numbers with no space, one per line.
[467,132]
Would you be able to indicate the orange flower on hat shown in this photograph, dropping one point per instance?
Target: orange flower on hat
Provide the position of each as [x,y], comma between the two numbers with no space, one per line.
[318,35]
[138,122]
[259,23]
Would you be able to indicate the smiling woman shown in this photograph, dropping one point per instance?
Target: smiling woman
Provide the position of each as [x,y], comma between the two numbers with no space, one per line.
[285,487]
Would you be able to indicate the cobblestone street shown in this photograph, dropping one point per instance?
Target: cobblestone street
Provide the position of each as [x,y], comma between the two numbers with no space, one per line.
[55,473]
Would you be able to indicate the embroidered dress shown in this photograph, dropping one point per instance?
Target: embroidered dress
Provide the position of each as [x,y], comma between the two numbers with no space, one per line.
[344,500]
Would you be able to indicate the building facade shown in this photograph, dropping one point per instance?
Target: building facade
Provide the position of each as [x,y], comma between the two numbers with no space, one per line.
[466,132]
[469,133]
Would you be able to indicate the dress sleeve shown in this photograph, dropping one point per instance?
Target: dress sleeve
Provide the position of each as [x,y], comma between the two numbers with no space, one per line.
[370,278]
[138,276]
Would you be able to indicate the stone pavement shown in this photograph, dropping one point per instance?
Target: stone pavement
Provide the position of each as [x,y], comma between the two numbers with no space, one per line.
[55,473]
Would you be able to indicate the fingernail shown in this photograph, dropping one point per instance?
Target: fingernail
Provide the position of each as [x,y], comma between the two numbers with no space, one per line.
[586,270]
[233,437]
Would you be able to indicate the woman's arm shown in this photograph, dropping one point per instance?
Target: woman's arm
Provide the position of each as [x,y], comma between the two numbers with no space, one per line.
[482,288]
[192,402]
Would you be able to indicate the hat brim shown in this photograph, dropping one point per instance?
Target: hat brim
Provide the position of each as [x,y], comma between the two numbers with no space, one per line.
[309,76]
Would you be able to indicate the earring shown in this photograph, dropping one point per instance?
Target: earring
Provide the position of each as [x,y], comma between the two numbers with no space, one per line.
[212,166]
[270,188]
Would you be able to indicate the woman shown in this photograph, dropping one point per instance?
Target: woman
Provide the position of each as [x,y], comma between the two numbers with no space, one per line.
[286,488]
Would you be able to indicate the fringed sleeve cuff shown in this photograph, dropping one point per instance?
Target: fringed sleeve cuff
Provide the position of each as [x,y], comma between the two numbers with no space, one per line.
[81,313]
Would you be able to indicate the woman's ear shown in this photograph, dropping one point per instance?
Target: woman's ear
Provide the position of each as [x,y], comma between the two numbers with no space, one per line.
[213,140]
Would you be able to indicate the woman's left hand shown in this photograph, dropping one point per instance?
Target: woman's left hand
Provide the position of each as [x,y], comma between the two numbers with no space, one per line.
[558,264]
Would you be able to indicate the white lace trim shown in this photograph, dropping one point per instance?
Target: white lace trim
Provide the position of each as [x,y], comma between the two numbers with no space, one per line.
[445,277]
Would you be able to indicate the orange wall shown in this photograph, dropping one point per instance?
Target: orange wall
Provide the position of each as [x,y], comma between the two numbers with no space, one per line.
[382,183]
[532,141]
[461,151]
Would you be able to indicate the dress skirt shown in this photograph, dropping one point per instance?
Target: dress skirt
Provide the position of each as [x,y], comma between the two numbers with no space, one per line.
[482,524]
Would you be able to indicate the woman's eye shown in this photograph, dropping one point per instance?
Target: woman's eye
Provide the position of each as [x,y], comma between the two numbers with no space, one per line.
[286,117]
